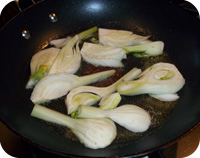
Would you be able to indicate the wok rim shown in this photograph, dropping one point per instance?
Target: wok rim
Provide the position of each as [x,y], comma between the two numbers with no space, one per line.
[139,154]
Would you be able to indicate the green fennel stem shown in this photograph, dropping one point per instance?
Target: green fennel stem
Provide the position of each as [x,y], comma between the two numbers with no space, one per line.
[147,49]
[35,78]
[87,32]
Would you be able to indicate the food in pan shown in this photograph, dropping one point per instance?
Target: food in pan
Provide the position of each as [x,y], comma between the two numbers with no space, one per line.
[99,55]
[93,133]
[120,38]
[57,85]
[93,125]
[59,43]
[100,91]
[146,49]
[40,65]
[110,101]
[69,58]
[129,116]
[159,79]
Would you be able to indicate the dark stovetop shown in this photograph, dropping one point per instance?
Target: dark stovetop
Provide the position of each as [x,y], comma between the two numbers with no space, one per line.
[17,147]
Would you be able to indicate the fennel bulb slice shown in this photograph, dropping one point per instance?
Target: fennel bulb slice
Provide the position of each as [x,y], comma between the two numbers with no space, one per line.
[57,85]
[69,58]
[110,101]
[93,133]
[129,116]
[61,42]
[119,38]
[149,49]
[40,65]
[100,55]
[165,97]
[161,78]
[85,99]
[100,91]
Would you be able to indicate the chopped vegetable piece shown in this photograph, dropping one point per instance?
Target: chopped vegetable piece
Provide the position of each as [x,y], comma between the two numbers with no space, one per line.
[147,49]
[165,97]
[59,43]
[93,133]
[69,59]
[100,55]
[59,84]
[161,78]
[100,91]
[119,38]
[110,101]
[129,116]
[40,65]
[85,99]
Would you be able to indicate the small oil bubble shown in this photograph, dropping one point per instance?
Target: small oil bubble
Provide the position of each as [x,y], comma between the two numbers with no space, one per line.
[26,34]
[53,17]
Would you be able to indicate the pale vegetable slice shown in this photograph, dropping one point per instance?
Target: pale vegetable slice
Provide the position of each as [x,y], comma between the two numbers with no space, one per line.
[59,43]
[119,38]
[129,116]
[161,78]
[165,97]
[93,133]
[110,101]
[57,85]
[69,59]
[85,99]
[100,91]
[148,49]
[40,65]
[100,55]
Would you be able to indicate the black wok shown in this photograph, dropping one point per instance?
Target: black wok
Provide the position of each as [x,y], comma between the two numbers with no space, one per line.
[159,18]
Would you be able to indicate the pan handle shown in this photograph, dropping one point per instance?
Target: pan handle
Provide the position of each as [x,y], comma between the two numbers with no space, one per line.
[23,4]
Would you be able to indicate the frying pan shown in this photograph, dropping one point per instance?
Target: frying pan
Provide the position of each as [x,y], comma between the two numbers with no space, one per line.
[159,18]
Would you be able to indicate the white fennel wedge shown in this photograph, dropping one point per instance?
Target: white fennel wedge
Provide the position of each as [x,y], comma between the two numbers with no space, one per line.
[161,78]
[57,85]
[93,133]
[131,117]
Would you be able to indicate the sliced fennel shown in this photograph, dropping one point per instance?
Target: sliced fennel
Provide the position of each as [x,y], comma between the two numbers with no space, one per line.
[59,43]
[161,78]
[110,101]
[129,116]
[69,58]
[84,99]
[119,38]
[147,49]
[165,97]
[93,133]
[59,84]
[100,91]
[100,55]
[40,65]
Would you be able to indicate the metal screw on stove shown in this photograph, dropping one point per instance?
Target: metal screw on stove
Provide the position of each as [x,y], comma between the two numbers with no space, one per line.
[53,17]
[26,34]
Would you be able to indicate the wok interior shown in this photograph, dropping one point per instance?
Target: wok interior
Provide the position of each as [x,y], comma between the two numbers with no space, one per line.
[168,121]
